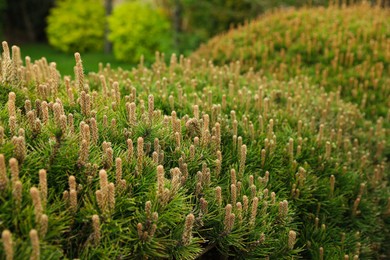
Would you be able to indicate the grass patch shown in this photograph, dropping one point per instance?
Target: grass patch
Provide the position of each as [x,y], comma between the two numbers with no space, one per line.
[65,61]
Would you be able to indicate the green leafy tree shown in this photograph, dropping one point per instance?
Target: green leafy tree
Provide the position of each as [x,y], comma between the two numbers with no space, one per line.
[138,29]
[195,21]
[76,25]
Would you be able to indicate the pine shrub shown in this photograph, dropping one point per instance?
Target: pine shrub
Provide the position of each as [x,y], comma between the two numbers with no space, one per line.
[345,49]
[184,162]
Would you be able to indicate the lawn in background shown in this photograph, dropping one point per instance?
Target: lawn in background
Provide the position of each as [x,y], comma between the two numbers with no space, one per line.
[65,61]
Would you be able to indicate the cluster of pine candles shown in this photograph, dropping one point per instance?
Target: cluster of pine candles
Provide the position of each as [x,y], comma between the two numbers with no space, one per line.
[185,162]
[340,47]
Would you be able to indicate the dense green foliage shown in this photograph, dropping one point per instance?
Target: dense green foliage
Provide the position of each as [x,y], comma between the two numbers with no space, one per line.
[345,49]
[195,21]
[209,17]
[68,30]
[137,29]
[180,161]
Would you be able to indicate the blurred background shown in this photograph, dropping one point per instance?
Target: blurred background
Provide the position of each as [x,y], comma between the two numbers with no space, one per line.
[120,31]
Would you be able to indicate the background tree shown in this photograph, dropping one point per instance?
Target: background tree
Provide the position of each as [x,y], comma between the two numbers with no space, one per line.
[139,29]
[68,30]
[25,20]
[195,21]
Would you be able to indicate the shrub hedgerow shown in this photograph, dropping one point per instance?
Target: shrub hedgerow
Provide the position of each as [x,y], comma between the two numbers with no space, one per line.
[341,48]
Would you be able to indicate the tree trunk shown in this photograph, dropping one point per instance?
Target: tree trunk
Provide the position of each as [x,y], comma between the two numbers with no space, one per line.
[27,22]
[177,22]
[107,43]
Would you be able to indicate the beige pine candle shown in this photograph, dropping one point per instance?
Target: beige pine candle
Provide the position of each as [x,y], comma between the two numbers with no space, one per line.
[187,233]
[140,155]
[96,229]
[253,215]
[36,199]
[43,186]
[6,237]
[218,195]
[292,235]
[43,225]
[3,173]
[36,252]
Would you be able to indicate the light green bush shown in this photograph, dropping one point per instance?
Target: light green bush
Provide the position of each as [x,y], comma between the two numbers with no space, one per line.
[138,29]
[76,25]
